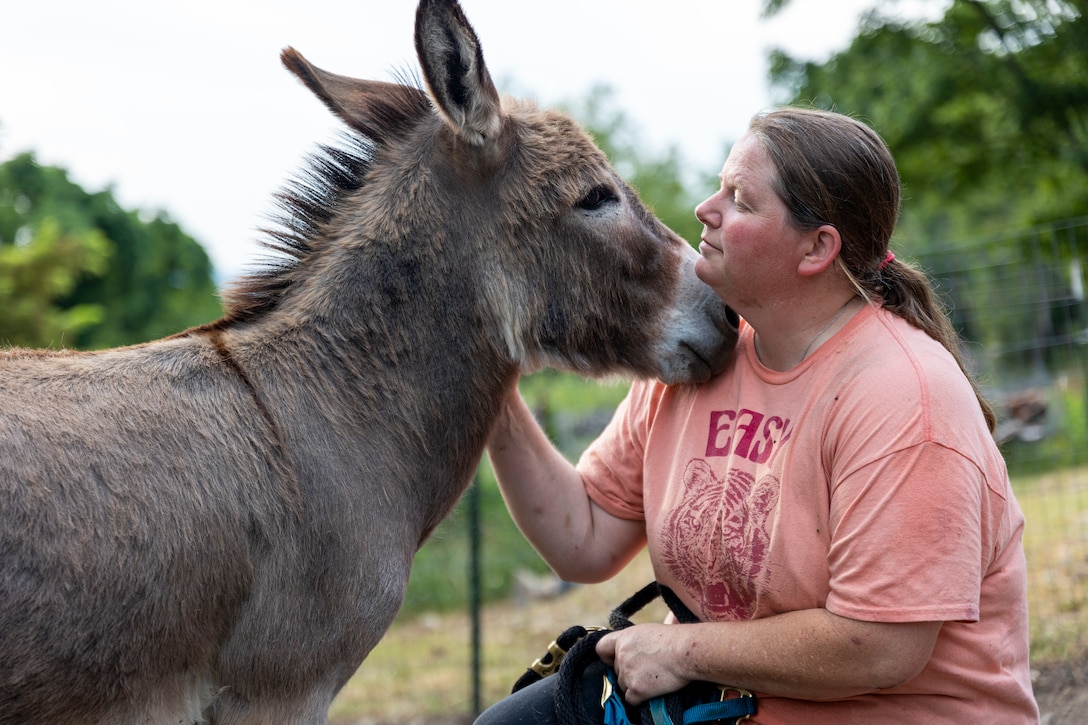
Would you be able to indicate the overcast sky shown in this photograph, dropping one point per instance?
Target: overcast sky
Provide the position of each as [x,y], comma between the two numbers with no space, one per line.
[185,107]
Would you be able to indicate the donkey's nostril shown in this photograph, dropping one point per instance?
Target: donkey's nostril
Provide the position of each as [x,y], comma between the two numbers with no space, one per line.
[732,318]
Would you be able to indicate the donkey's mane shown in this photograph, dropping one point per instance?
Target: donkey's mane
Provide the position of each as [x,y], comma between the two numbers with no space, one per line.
[316,195]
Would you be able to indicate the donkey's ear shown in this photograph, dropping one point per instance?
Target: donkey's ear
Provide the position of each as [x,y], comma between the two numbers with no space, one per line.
[453,66]
[375,108]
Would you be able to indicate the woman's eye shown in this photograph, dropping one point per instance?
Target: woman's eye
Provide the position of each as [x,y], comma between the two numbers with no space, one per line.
[596,198]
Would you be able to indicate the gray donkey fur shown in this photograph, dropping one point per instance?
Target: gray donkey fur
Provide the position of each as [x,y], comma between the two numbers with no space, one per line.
[218,526]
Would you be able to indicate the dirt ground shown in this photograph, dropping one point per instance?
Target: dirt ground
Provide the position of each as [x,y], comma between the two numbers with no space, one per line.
[1062,692]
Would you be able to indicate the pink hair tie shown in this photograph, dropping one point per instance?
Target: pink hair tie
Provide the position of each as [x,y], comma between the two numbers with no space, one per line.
[887,260]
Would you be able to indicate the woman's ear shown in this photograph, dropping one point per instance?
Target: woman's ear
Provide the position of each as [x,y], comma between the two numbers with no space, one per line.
[824,246]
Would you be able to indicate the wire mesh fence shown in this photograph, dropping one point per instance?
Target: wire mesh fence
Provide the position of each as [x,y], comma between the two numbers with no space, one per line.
[1019,303]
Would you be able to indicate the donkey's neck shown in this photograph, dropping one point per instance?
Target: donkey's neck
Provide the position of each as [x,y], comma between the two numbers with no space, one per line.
[409,387]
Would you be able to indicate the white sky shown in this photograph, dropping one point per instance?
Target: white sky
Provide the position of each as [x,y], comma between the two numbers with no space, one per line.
[184,106]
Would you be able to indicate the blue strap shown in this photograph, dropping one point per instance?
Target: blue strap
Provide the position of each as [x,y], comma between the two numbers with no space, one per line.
[660,714]
[732,708]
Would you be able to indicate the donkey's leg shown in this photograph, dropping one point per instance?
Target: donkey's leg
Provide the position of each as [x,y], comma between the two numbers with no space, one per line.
[292,677]
[303,633]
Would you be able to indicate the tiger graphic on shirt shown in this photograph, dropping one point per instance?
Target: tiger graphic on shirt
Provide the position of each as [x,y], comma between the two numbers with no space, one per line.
[716,538]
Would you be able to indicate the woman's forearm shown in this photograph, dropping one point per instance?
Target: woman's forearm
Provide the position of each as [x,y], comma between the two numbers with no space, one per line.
[547,499]
[810,654]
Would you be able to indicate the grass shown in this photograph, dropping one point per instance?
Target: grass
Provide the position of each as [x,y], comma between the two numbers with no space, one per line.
[1050,478]
[1056,547]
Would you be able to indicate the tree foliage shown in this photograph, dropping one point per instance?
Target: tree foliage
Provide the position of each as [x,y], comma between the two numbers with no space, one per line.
[985,109]
[76,270]
[40,270]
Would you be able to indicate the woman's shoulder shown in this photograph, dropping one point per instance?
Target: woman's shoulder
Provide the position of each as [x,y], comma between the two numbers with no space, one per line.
[886,344]
[897,368]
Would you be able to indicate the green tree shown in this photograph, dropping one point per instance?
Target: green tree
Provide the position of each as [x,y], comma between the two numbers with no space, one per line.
[158,280]
[36,273]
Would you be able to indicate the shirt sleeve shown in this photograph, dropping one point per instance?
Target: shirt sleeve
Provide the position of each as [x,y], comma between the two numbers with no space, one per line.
[612,466]
[908,537]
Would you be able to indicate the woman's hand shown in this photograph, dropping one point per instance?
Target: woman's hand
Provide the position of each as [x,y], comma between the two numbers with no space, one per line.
[643,658]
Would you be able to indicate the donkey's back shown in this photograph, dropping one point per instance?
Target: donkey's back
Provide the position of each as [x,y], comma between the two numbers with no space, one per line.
[130,496]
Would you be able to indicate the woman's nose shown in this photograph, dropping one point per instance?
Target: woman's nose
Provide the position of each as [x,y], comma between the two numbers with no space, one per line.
[705,213]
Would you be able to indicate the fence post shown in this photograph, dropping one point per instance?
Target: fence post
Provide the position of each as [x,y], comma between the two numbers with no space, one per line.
[474,589]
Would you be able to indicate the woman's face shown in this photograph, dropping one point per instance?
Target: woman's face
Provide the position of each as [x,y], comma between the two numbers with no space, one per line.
[749,248]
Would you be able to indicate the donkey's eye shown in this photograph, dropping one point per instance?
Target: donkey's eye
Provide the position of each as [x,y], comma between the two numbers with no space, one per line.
[597,198]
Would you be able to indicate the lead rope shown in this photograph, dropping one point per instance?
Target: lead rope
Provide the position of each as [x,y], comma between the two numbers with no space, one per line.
[571,706]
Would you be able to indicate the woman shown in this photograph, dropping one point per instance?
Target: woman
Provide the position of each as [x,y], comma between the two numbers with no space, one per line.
[832,506]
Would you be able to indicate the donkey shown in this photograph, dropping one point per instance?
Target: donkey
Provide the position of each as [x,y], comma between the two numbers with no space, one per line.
[219,526]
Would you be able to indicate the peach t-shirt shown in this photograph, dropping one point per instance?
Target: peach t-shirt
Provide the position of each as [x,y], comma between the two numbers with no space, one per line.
[863,481]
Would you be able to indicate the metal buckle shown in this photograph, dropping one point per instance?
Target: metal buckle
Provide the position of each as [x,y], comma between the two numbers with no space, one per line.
[549,663]
[553,658]
[740,693]
[606,691]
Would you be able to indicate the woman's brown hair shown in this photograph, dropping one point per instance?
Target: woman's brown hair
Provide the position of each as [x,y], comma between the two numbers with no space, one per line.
[835,170]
